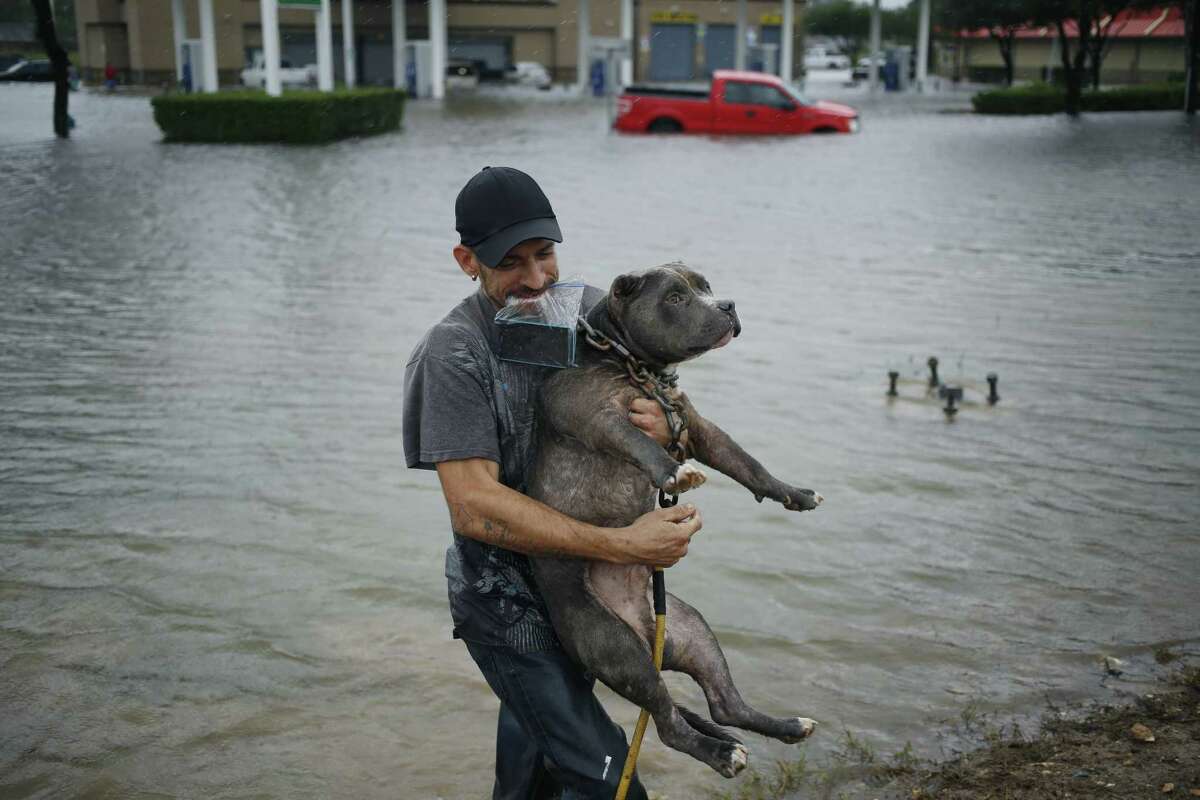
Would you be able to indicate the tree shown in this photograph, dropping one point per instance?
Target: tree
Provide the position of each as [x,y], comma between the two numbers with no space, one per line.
[59,64]
[1191,92]
[845,21]
[1001,18]
[1086,15]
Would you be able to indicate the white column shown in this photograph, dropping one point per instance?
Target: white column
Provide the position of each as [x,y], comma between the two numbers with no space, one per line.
[788,40]
[584,26]
[324,48]
[923,47]
[874,51]
[348,55]
[270,41]
[179,25]
[739,48]
[399,44]
[438,46]
[627,36]
[208,39]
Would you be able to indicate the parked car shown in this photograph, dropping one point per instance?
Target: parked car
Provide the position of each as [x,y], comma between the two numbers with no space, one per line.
[36,70]
[529,73]
[862,70]
[462,74]
[820,58]
[255,75]
[736,102]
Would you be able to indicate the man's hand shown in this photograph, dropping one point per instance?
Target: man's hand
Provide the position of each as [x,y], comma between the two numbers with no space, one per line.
[660,538]
[648,416]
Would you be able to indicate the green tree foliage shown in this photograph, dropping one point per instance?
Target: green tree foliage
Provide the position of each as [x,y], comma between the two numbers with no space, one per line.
[1095,23]
[1001,18]
[849,23]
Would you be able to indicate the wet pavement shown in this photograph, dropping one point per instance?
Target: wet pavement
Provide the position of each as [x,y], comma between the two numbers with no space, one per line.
[217,578]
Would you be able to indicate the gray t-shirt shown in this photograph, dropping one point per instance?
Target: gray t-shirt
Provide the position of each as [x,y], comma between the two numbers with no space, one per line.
[461,401]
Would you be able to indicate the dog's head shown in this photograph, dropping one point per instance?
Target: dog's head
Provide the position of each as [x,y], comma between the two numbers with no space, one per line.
[668,314]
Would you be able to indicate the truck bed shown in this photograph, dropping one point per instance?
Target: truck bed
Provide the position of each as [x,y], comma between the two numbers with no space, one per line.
[675,92]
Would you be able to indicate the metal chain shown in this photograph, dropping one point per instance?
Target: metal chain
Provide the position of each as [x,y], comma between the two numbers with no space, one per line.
[655,385]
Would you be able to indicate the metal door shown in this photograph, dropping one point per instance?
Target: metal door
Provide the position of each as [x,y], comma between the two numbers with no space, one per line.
[492,55]
[720,45]
[672,52]
[375,64]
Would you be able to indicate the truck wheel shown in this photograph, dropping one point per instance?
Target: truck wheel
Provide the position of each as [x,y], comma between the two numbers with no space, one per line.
[664,125]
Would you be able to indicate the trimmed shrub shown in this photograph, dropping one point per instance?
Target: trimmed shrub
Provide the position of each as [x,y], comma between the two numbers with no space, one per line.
[297,117]
[1041,98]
[1147,97]
[1036,98]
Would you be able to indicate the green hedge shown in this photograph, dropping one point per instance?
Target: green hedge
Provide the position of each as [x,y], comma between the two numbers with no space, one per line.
[297,117]
[1041,98]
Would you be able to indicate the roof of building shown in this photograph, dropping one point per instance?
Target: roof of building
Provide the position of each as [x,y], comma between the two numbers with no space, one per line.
[1157,23]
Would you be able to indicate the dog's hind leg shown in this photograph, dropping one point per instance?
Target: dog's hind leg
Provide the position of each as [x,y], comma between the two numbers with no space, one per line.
[621,660]
[693,649]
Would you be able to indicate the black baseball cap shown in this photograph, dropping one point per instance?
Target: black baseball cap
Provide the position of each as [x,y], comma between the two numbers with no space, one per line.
[499,208]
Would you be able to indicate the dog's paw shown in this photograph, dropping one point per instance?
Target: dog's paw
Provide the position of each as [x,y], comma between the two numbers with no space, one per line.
[685,478]
[802,500]
[804,729]
[738,757]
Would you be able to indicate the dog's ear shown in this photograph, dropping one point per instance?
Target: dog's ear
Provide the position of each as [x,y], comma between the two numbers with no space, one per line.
[627,285]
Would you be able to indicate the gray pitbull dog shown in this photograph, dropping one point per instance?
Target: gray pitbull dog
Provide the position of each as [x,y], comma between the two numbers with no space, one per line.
[595,466]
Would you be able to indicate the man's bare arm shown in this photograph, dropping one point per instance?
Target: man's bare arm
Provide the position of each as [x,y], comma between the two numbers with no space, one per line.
[482,508]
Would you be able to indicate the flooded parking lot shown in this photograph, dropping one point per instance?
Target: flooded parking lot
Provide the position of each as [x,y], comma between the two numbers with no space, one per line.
[217,578]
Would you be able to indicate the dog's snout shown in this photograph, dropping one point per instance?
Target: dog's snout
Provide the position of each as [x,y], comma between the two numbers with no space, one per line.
[727,306]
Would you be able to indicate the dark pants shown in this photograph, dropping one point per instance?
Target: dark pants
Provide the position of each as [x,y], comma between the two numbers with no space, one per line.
[553,738]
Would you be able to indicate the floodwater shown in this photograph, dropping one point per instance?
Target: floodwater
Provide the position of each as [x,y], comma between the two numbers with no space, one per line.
[217,579]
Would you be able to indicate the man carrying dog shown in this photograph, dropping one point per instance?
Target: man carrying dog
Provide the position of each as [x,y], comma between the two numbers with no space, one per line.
[473,417]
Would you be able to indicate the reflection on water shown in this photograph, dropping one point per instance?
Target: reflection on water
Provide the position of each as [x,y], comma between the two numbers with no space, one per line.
[219,579]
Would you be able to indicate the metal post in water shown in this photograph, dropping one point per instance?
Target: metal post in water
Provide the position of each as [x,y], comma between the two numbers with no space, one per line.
[923,47]
[208,39]
[399,45]
[627,37]
[953,395]
[324,48]
[992,398]
[270,37]
[876,27]
[348,56]
[786,70]
[584,29]
[739,46]
[892,377]
[438,46]
[179,27]
[933,376]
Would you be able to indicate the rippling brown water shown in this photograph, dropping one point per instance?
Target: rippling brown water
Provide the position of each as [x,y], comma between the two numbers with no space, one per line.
[217,578]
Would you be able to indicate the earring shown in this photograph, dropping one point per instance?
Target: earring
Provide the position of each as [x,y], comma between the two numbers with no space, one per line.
[473,278]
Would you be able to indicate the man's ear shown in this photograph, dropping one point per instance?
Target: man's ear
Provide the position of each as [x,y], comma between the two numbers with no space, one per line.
[467,261]
[627,285]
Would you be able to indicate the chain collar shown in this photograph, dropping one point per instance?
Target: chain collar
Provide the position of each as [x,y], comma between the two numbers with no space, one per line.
[661,387]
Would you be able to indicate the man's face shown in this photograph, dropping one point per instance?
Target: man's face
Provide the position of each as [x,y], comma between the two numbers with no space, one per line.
[524,273]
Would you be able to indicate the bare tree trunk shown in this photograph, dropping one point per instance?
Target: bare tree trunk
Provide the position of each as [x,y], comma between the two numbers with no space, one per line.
[1007,47]
[59,64]
[1191,92]
[1073,66]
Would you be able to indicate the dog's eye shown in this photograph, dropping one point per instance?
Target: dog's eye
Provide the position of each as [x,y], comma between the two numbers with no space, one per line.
[674,298]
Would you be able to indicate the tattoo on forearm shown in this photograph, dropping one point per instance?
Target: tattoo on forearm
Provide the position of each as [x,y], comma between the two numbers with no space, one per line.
[460,519]
[497,532]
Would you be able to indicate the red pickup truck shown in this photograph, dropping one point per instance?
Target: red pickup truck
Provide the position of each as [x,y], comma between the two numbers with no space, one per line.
[737,102]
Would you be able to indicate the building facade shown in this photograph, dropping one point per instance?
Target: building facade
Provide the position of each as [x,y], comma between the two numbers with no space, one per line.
[683,40]
[1145,46]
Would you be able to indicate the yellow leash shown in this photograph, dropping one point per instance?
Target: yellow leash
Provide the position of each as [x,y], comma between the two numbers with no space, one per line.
[660,636]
